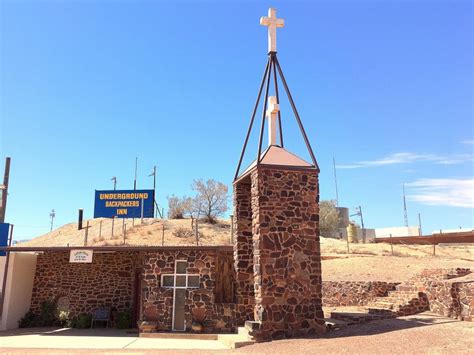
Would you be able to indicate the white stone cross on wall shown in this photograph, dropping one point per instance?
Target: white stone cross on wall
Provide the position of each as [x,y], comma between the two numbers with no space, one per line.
[272,112]
[272,22]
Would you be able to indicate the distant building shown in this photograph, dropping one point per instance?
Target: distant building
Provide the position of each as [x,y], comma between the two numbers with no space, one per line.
[410,231]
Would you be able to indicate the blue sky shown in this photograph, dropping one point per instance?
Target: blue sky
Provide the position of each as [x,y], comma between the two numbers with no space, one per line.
[385,87]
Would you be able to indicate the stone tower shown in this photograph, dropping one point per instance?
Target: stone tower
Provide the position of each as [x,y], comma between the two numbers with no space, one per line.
[276,231]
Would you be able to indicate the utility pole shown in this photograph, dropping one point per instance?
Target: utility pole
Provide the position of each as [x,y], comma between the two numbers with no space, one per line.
[4,189]
[405,206]
[136,168]
[52,215]
[154,189]
[114,179]
[335,181]
[359,213]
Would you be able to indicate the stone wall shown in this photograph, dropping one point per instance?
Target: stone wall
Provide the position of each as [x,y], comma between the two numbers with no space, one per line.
[243,251]
[354,293]
[451,299]
[287,261]
[107,281]
[158,300]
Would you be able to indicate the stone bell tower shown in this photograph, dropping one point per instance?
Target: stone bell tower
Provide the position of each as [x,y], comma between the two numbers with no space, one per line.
[276,232]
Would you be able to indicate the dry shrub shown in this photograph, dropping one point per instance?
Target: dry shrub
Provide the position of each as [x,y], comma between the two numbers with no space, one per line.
[183,233]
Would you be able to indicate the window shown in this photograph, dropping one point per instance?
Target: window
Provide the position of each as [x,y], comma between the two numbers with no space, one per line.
[167,280]
[180,279]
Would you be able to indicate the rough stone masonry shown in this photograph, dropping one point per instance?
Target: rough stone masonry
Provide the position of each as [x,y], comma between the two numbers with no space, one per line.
[277,234]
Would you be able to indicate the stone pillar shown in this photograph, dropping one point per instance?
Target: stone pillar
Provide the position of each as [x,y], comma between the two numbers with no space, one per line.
[287,260]
[243,254]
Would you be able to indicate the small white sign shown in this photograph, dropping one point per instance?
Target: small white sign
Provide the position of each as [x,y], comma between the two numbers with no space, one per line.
[80,256]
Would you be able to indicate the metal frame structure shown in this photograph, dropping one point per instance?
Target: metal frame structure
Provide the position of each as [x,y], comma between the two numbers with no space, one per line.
[272,64]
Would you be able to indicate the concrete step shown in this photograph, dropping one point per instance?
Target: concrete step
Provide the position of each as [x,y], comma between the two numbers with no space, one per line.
[335,324]
[235,341]
[355,318]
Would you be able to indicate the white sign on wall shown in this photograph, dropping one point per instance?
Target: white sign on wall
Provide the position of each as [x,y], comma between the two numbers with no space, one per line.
[80,256]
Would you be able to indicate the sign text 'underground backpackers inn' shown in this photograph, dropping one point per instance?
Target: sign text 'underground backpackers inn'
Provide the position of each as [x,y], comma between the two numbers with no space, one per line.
[124,203]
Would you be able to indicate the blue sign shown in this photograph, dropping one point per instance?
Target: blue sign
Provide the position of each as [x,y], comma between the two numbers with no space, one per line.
[4,231]
[124,203]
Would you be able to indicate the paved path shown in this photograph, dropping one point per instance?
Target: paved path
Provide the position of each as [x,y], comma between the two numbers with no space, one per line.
[418,334]
[94,339]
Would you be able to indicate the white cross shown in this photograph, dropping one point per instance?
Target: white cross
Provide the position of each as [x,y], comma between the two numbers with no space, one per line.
[272,111]
[272,22]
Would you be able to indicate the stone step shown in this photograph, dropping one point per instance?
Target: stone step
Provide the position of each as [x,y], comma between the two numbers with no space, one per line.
[335,324]
[354,318]
[384,313]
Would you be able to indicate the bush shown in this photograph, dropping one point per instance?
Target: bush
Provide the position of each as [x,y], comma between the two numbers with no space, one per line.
[29,320]
[46,318]
[83,321]
[124,320]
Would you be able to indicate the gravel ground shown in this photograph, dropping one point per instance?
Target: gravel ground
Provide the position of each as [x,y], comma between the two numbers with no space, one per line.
[385,268]
[418,334]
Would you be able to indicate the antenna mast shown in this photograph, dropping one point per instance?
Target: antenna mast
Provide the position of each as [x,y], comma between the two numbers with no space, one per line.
[405,206]
[335,181]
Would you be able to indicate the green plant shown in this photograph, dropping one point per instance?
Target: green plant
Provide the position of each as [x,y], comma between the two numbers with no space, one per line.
[124,320]
[30,319]
[46,318]
[83,321]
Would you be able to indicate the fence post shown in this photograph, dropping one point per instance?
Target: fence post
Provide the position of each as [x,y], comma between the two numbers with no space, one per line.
[124,232]
[100,229]
[113,221]
[347,239]
[391,243]
[86,232]
[434,249]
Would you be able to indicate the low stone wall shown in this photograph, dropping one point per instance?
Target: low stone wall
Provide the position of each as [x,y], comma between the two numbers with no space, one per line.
[451,299]
[106,282]
[354,293]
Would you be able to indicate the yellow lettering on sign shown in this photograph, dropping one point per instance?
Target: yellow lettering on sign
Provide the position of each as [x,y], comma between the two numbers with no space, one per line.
[122,211]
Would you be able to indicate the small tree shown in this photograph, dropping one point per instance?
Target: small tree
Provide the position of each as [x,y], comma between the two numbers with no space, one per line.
[211,197]
[178,207]
[328,219]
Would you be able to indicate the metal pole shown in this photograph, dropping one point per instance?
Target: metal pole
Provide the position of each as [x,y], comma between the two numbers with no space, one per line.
[278,102]
[100,229]
[86,233]
[252,120]
[434,249]
[5,271]
[6,178]
[141,217]
[124,231]
[335,181]
[362,223]
[405,213]
[419,225]
[113,220]
[135,180]
[295,111]
[163,236]
[265,101]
